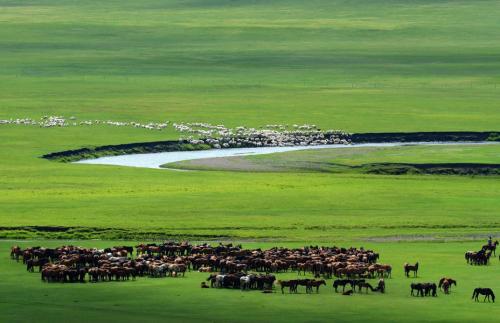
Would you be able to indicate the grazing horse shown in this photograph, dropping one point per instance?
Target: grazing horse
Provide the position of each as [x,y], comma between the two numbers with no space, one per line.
[481,257]
[366,286]
[483,291]
[445,284]
[314,283]
[407,267]
[340,282]
[430,288]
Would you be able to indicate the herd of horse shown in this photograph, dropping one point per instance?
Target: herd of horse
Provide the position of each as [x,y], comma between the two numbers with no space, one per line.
[71,263]
[482,257]
[231,266]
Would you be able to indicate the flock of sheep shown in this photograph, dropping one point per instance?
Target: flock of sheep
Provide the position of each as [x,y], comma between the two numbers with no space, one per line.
[215,136]
[59,121]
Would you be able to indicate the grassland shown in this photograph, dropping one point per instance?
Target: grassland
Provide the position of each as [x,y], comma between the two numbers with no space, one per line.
[153,300]
[360,66]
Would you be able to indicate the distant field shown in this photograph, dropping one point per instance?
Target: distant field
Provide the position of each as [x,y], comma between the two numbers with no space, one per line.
[356,65]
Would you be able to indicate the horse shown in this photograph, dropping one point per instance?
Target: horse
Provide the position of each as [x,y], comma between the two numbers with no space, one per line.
[355,282]
[481,257]
[445,284]
[418,287]
[303,282]
[15,253]
[430,288]
[348,293]
[366,286]
[246,281]
[31,263]
[340,282]
[492,247]
[381,285]
[291,284]
[483,291]
[408,268]
[315,283]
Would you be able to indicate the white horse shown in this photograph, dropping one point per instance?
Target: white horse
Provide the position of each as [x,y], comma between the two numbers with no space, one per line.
[245,282]
[219,281]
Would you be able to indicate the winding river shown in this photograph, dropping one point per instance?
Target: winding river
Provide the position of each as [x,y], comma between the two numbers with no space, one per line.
[155,160]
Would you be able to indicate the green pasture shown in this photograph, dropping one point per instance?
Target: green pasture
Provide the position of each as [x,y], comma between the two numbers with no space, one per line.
[24,297]
[37,192]
[359,66]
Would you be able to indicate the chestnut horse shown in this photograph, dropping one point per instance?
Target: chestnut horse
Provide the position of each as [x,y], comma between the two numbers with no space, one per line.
[445,284]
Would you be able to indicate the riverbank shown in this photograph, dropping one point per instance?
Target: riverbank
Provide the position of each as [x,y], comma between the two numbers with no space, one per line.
[169,146]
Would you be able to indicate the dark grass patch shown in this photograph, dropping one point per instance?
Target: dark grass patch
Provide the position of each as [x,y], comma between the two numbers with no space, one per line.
[467,169]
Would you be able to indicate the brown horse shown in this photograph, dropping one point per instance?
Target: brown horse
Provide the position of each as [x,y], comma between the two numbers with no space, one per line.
[483,291]
[445,284]
[314,283]
[15,252]
[407,267]
[291,284]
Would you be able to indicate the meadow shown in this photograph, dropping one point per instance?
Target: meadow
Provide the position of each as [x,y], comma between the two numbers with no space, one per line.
[359,66]
[182,299]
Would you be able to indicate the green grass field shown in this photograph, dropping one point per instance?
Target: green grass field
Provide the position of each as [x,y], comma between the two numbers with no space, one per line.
[181,299]
[359,66]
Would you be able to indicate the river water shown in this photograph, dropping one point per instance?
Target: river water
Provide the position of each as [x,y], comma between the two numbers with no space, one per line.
[155,160]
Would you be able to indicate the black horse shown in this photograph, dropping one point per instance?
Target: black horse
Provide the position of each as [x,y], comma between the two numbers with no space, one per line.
[340,282]
[487,292]
[381,286]
[492,247]
[417,287]
[408,268]
[430,289]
